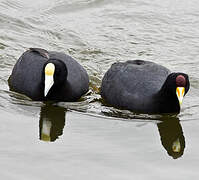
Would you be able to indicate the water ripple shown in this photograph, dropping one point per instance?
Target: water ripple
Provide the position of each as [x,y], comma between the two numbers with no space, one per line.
[98,33]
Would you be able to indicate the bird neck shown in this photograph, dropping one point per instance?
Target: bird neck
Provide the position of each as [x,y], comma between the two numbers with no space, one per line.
[167,100]
[55,91]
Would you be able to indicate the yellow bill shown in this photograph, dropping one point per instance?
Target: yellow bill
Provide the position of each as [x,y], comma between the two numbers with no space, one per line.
[180,93]
[176,147]
[49,80]
[45,131]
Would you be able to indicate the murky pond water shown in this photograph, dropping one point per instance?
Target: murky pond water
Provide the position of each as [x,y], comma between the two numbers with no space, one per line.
[87,139]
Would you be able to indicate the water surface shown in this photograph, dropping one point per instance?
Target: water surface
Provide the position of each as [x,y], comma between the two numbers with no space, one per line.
[87,139]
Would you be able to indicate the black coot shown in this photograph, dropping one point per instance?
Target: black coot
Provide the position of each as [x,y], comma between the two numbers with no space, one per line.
[144,86]
[43,75]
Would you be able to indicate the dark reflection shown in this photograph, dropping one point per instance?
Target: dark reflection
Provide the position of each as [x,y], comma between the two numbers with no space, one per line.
[52,121]
[172,136]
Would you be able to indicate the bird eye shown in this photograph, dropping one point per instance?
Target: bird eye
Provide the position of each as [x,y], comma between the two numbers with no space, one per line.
[58,72]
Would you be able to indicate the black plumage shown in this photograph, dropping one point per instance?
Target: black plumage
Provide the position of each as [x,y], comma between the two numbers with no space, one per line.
[71,80]
[142,86]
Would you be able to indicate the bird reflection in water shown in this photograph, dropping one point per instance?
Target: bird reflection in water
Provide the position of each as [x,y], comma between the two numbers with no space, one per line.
[52,121]
[172,137]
